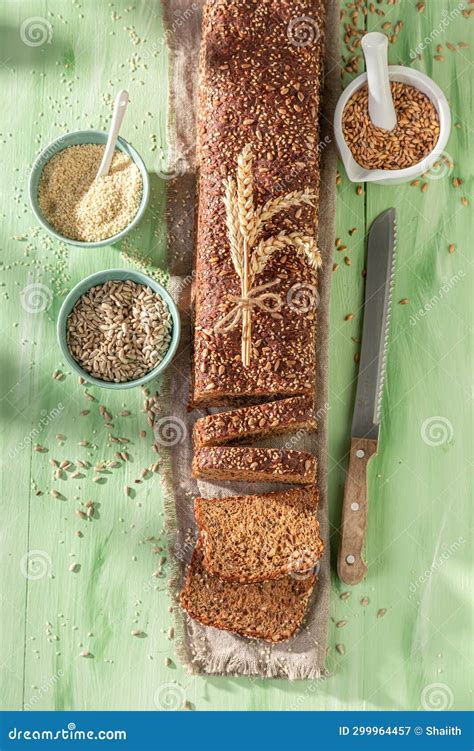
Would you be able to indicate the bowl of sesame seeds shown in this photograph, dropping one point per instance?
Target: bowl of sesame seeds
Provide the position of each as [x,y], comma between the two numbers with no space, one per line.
[118,329]
[75,206]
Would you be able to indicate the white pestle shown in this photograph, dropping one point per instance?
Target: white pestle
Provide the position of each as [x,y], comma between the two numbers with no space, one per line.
[381,109]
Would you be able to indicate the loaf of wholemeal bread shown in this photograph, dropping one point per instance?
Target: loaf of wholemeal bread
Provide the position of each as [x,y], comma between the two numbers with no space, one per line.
[253,423]
[255,538]
[248,464]
[258,166]
[271,610]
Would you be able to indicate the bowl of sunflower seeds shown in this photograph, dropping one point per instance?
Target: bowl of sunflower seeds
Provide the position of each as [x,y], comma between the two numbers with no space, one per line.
[118,329]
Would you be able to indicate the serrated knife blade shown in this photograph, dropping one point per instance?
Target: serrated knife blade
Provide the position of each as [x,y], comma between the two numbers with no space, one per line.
[375,331]
[366,419]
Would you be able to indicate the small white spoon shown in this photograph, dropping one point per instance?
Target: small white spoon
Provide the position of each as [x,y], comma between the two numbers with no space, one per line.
[381,109]
[120,106]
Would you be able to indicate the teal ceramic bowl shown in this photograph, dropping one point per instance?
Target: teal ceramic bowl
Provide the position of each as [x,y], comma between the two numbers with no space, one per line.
[77,138]
[100,278]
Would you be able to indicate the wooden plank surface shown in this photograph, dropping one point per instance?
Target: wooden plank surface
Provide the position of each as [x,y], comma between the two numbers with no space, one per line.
[407,626]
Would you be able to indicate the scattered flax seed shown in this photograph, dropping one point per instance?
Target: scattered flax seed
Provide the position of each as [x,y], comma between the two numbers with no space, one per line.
[364,601]
[439,58]
[420,7]
[136,632]
[341,624]
[347,260]
[55,493]
[464,201]
[352,231]
[424,187]
[142,434]
[451,248]
[413,138]
[381,612]
[415,183]
[78,533]
[335,266]
[84,413]
[81,207]
[357,357]
[359,190]
[38,447]
[344,595]
[341,649]
[457,125]
[349,317]
[74,567]
[168,662]
[404,301]
[80,514]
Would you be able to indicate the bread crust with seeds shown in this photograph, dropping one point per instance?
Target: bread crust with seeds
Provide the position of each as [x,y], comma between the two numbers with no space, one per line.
[260,84]
[248,464]
[256,422]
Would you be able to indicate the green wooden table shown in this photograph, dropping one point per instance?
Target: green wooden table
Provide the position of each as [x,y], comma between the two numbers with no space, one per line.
[402,638]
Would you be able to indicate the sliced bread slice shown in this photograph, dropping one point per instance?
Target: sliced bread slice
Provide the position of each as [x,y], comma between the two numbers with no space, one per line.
[255,538]
[248,464]
[271,610]
[258,421]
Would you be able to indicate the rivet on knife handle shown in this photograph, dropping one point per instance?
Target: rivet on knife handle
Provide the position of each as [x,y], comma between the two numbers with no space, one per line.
[351,566]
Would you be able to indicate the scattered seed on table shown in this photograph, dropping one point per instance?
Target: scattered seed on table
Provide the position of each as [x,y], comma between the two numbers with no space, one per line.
[142,433]
[352,231]
[364,601]
[349,317]
[415,183]
[404,301]
[38,447]
[78,533]
[74,567]
[344,595]
[335,266]
[136,632]
[464,201]
[357,357]
[359,190]
[451,248]
[65,464]
[85,653]
[347,260]
[54,463]
[124,413]
[85,444]
[80,514]
[381,612]
[55,493]
[341,624]
[127,491]
[341,649]
[424,187]
[439,58]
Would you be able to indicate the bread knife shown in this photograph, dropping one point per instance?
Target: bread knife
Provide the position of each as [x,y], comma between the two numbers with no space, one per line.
[366,419]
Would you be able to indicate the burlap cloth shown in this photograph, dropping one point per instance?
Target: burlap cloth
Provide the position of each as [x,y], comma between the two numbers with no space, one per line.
[201,648]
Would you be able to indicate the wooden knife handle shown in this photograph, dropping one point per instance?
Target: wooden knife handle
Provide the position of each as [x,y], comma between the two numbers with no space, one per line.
[350,565]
